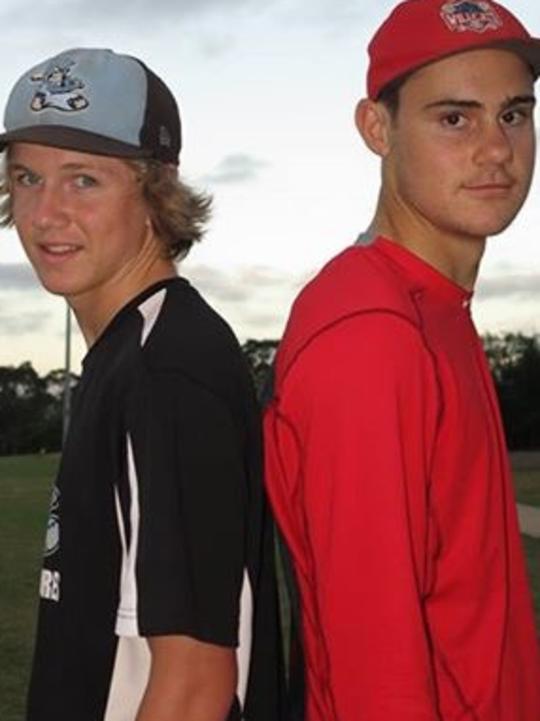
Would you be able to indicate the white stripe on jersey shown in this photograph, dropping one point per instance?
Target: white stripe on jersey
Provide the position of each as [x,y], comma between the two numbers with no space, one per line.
[126,620]
[150,311]
[243,652]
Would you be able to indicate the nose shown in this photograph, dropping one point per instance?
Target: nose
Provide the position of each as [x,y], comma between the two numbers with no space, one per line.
[494,146]
[49,209]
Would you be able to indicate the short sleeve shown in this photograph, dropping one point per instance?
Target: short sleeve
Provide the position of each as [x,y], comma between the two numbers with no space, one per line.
[181,507]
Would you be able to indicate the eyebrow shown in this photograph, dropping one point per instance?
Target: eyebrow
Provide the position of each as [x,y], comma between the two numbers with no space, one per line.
[78,166]
[88,167]
[16,166]
[475,104]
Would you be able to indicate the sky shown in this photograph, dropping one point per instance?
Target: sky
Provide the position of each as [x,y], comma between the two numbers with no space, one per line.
[267,91]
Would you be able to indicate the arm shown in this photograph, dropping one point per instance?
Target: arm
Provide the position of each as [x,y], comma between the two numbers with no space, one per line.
[360,406]
[189,681]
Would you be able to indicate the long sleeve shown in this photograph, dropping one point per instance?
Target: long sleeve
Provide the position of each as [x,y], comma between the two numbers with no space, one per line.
[349,445]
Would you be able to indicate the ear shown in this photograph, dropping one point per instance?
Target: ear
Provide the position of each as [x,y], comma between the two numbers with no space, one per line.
[374,124]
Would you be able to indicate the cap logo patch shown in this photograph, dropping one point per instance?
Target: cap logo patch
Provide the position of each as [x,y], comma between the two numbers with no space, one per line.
[58,89]
[466,16]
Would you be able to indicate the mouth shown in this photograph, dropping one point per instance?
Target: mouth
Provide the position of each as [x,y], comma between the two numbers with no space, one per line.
[58,253]
[490,189]
[59,249]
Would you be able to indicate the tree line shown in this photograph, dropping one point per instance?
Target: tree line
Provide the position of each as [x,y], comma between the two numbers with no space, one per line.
[31,406]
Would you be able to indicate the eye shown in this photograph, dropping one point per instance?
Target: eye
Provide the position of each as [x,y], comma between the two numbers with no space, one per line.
[454,120]
[25,178]
[84,181]
[516,116]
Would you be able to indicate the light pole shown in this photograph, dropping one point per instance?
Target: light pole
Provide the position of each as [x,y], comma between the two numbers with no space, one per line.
[66,405]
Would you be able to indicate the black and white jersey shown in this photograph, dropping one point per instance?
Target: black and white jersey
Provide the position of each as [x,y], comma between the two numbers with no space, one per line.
[157,524]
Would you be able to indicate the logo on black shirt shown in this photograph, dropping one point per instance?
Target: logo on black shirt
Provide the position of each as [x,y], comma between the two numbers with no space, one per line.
[52,537]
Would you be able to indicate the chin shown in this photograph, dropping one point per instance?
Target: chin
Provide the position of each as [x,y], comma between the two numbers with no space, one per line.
[495,227]
[489,225]
[495,222]
[56,287]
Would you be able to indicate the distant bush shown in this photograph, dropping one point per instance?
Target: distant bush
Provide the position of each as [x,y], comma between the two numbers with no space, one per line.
[515,363]
[514,359]
[30,410]
[31,406]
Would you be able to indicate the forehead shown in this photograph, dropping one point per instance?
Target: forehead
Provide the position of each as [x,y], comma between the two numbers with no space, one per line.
[49,158]
[474,75]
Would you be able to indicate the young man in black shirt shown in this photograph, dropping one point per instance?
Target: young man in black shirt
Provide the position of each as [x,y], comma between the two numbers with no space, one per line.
[157,595]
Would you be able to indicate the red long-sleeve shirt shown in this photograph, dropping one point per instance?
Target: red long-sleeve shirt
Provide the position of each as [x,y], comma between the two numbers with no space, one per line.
[387,470]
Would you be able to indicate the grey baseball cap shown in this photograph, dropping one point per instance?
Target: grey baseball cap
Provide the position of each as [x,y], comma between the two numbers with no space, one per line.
[96,101]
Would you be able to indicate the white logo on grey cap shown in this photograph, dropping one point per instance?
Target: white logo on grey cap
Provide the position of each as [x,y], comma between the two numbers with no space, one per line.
[58,88]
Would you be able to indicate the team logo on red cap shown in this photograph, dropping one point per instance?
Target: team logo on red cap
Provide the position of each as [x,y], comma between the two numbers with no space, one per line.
[470,16]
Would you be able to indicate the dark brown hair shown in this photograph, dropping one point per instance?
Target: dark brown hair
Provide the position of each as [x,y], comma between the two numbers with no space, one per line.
[389,95]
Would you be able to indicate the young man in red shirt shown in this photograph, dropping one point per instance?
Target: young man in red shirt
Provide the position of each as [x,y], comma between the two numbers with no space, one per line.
[386,460]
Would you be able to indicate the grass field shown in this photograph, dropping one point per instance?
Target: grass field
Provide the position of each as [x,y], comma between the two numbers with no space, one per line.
[24,495]
[527,484]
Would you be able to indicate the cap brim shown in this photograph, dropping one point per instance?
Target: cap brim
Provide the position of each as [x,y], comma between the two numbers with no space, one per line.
[72,139]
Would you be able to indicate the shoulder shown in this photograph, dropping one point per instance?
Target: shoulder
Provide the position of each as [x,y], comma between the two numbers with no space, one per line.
[185,320]
[367,366]
[183,334]
[375,346]
[355,282]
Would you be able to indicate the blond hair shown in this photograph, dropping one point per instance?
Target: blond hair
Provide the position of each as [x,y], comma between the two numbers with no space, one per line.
[178,213]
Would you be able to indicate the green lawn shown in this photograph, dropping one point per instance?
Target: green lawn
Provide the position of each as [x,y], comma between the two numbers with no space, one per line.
[24,492]
[24,495]
[532,552]
[527,485]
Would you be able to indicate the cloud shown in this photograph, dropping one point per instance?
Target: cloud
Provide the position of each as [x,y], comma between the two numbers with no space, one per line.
[17,276]
[526,286]
[236,168]
[21,324]
[244,284]
[255,299]
[54,14]
[216,283]
[15,318]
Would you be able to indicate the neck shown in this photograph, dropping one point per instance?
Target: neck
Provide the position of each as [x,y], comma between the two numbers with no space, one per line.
[94,311]
[457,256]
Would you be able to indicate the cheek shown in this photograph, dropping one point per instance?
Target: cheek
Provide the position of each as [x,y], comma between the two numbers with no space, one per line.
[417,172]
[526,155]
[430,157]
[432,169]
[21,212]
[18,207]
[119,232]
[128,213]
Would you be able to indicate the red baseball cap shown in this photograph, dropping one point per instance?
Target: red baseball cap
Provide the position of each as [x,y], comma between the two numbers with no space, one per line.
[419,32]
